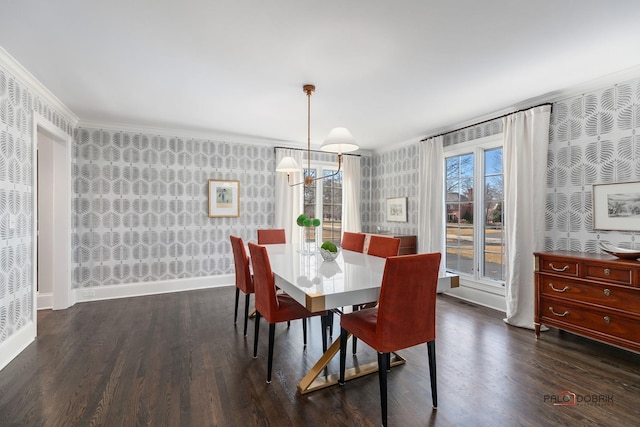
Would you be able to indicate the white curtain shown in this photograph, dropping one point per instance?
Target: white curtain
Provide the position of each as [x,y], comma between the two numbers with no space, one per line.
[351,194]
[431,212]
[526,141]
[288,200]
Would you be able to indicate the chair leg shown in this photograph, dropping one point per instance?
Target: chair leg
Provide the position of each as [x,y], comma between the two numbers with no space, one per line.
[256,334]
[323,325]
[246,312]
[354,340]
[344,334]
[382,376]
[272,335]
[388,362]
[304,331]
[330,322]
[235,316]
[431,349]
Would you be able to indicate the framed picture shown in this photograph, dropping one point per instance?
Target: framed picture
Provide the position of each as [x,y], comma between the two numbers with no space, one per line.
[616,206]
[397,209]
[224,198]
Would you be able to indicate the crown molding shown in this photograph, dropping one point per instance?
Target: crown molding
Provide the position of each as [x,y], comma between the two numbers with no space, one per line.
[13,67]
[209,135]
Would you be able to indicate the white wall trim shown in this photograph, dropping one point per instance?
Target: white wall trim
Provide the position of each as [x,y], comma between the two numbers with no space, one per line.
[128,290]
[16,343]
[478,297]
[62,212]
[45,300]
[19,72]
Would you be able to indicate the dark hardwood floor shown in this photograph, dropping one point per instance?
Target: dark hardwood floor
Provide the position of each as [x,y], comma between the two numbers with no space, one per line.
[178,360]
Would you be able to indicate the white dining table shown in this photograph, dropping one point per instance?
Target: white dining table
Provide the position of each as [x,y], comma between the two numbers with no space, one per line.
[353,278]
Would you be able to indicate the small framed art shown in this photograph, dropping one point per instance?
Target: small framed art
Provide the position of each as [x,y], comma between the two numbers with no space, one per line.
[616,206]
[224,198]
[397,209]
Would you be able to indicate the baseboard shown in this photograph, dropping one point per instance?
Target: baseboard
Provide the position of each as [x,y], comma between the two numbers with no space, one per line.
[485,299]
[45,301]
[151,288]
[16,343]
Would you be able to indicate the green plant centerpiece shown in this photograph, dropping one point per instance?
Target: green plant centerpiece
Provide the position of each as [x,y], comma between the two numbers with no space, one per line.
[329,251]
[308,235]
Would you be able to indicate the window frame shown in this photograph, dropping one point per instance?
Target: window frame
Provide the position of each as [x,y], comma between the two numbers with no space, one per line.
[320,167]
[477,147]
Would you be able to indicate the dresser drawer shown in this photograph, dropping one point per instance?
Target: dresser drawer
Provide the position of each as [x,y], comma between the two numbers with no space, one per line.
[615,296]
[559,266]
[591,320]
[607,273]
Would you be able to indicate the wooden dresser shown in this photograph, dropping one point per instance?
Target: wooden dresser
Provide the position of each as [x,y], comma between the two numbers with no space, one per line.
[596,296]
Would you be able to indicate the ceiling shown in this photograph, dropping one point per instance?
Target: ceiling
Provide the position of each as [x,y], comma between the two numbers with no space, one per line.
[391,72]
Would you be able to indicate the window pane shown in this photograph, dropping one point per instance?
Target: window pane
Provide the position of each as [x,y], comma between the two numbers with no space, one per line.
[459,206]
[493,244]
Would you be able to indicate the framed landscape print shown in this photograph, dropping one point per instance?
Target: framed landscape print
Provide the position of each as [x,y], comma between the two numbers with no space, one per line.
[616,206]
[224,198]
[397,209]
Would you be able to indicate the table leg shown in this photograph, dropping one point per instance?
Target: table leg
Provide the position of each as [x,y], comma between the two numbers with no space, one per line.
[313,381]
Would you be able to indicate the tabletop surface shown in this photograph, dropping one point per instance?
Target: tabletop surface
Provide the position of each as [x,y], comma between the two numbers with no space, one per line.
[353,278]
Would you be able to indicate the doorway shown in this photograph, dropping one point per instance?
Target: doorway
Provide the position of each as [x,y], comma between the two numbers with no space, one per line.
[52,216]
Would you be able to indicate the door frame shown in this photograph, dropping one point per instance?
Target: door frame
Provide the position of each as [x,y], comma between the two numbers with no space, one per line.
[61,213]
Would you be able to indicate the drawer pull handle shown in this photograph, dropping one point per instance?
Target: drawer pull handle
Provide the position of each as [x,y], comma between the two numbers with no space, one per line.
[566,313]
[607,272]
[607,292]
[558,269]
[565,289]
[607,319]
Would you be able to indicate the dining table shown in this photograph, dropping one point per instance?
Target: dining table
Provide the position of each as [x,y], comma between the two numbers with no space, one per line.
[353,278]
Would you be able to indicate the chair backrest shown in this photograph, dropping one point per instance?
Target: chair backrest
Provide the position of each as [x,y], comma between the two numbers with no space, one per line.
[353,241]
[383,246]
[407,303]
[244,281]
[271,236]
[263,281]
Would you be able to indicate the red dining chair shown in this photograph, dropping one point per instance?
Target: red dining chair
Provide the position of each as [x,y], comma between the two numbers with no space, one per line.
[405,317]
[271,236]
[383,246]
[244,280]
[275,307]
[353,241]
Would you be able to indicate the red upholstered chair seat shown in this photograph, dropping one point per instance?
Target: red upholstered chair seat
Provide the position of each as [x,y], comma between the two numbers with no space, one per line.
[405,316]
[244,279]
[271,236]
[353,241]
[275,307]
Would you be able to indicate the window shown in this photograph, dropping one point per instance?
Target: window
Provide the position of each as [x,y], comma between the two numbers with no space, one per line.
[323,199]
[474,201]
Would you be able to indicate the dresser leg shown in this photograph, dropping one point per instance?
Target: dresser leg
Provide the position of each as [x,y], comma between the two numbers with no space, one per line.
[537,327]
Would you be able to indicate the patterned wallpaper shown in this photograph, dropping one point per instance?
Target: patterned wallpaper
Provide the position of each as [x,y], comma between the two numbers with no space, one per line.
[594,139]
[140,206]
[395,174]
[17,105]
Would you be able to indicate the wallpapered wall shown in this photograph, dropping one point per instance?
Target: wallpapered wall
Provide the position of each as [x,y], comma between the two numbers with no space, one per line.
[395,174]
[594,139]
[141,204]
[17,105]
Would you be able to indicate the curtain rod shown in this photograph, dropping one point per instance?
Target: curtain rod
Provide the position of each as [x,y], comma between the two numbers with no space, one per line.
[486,121]
[316,151]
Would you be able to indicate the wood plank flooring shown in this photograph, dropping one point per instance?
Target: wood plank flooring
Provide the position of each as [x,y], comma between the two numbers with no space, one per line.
[178,360]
